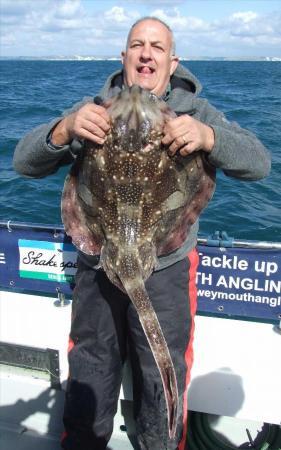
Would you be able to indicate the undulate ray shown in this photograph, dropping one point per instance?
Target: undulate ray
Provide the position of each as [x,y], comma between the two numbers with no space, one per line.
[130,202]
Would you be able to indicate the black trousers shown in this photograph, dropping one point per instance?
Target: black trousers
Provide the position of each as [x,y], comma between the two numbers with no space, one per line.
[105,326]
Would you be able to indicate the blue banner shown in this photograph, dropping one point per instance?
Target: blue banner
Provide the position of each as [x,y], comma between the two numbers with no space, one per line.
[240,282]
[37,259]
[234,282]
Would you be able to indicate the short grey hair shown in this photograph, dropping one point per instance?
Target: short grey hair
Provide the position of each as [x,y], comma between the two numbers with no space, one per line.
[142,19]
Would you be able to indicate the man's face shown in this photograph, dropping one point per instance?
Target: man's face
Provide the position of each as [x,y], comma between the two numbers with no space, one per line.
[148,61]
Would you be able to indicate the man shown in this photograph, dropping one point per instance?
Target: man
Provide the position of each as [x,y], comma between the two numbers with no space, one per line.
[104,322]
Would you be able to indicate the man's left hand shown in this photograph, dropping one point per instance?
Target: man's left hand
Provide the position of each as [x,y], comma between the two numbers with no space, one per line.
[187,135]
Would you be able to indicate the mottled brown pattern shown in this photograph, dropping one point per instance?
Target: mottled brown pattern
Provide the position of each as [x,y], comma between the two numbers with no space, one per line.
[130,202]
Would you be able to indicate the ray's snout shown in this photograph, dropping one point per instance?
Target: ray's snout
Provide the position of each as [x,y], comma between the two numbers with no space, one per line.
[134,114]
[137,109]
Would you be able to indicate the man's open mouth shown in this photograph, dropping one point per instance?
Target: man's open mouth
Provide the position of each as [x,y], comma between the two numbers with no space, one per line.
[145,69]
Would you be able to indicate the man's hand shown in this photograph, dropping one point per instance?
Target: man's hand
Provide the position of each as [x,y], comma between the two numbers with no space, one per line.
[187,135]
[89,122]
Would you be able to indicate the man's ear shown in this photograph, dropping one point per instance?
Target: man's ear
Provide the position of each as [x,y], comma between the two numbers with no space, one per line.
[174,64]
[123,56]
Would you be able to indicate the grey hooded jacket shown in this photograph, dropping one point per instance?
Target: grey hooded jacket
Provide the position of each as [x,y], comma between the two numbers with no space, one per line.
[236,151]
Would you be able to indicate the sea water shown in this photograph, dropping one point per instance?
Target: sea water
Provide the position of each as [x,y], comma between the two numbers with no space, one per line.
[34,92]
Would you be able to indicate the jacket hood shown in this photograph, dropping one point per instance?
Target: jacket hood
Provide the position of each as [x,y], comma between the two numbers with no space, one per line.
[183,83]
[184,79]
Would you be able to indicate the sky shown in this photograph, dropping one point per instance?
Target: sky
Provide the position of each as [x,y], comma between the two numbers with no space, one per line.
[212,28]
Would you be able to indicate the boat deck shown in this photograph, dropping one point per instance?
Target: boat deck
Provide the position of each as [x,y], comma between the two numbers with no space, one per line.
[31,414]
[21,439]
[230,431]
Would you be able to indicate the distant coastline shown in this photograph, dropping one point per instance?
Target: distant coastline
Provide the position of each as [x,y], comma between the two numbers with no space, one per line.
[113,58]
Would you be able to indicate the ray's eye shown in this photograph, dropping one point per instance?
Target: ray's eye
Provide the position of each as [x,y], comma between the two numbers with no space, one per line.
[121,128]
[145,129]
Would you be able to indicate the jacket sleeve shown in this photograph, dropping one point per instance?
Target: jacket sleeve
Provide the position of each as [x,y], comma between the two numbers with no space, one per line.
[237,151]
[35,158]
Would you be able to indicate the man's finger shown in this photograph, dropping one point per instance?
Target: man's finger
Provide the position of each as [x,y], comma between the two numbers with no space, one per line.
[167,139]
[94,129]
[99,121]
[98,109]
[179,142]
[187,149]
[97,114]
[85,134]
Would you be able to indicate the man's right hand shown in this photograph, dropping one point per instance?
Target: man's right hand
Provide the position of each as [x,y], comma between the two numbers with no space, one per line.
[90,122]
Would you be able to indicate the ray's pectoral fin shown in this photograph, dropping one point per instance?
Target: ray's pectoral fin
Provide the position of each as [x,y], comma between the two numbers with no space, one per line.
[74,219]
[152,329]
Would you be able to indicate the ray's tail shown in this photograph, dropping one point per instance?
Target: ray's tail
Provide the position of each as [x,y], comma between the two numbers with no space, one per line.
[136,291]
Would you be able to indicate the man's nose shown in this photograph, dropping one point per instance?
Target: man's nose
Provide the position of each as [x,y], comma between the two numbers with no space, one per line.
[146,52]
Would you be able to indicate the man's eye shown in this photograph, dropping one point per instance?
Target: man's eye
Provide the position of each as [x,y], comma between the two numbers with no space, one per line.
[135,45]
[159,47]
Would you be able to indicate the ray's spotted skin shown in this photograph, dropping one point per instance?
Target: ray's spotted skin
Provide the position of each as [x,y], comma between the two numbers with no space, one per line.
[130,202]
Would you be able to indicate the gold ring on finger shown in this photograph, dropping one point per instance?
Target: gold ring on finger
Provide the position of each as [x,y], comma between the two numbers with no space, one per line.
[184,141]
